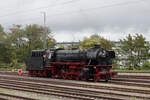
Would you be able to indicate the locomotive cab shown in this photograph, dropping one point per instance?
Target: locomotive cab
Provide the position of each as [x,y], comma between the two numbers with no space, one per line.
[36,60]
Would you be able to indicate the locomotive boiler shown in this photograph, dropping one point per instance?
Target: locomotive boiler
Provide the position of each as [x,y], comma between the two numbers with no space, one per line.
[90,64]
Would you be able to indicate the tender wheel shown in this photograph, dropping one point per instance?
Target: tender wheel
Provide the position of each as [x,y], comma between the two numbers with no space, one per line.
[83,78]
[30,73]
[107,78]
[53,75]
[35,74]
[64,76]
[77,76]
[71,77]
[46,74]
[96,78]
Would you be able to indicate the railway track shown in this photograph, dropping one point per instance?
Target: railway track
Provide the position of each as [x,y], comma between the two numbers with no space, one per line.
[133,77]
[68,92]
[117,81]
[24,73]
[87,86]
[20,83]
[4,96]
[126,83]
[124,80]
[134,72]
[132,80]
[129,80]
[58,91]
[81,85]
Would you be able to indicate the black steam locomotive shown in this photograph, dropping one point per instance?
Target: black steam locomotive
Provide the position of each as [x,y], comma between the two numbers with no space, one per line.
[94,63]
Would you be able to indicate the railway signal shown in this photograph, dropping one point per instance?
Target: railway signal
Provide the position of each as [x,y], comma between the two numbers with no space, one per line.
[20,72]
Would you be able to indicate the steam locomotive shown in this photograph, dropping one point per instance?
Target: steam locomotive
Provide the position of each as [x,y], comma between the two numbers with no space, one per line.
[90,64]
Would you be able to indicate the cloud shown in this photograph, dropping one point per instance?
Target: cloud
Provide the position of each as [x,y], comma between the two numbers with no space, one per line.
[73,20]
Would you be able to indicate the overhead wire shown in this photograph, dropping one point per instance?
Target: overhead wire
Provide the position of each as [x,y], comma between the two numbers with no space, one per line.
[90,9]
[95,8]
[30,10]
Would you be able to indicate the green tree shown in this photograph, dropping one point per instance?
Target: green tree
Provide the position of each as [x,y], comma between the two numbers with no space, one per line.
[146,65]
[5,47]
[17,39]
[95,39]
[23,40]
[50,42]
[61,46]
[34,36]
[2,33]
[16,44]
[141,49]
[134,50]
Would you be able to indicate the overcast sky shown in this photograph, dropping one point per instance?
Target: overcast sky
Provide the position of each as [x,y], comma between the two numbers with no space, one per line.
[71,20]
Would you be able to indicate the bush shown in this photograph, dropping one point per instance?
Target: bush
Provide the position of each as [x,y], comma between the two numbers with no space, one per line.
[146,65]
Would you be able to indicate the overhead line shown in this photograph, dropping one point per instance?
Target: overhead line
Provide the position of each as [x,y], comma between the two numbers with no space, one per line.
[51,5]
[94,8]
[89,9]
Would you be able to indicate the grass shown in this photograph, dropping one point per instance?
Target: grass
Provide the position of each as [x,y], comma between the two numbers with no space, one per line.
[131,70]
[7,67]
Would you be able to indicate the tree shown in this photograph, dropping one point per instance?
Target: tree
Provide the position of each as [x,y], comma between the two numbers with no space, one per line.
[50,42]
[16,37]
[61,46]
[2,33]
[141,49]
[95,39]
[23,40]
[34,36]
[134,49]
[5,47]
[146,65]
[16,44]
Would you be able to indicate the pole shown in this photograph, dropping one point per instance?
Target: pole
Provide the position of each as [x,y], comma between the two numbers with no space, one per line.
[44,33]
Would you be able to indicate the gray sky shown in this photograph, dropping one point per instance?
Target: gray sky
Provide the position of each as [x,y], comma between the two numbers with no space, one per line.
[71,20]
